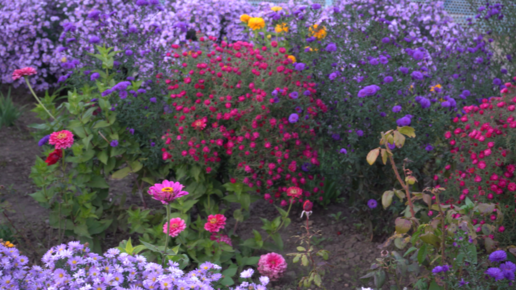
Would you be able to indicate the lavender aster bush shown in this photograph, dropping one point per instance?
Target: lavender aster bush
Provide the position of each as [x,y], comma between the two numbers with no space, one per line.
[74,266]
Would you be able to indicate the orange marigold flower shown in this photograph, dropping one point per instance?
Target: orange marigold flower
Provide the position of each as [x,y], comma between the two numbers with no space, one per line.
[319,32]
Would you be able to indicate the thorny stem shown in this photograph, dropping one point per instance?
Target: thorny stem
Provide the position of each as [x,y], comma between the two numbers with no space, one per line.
[37,99]
[407,193]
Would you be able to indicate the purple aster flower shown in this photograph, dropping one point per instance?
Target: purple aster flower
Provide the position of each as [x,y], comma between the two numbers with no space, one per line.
[106,92]
[404,121]
[71,39]
[130,79]
[368,91]
[462,282]
[360,133]
[429,148]
[424,102]
[417,75]
[300,66]
[94,14]
[306,166]
[504,71]
[152,100]
[299,110]
[307,93]
[316,6]
[391,146]
[404,70]
[387,79]
[418,55]
[497,82]
[343,151]
[132,29]
[466,93]
[131,130]
[336,137]
[121,86]
[293,118]
[496,273]
[383,60]
[383,114]
[331,47]
[374,61]
[508,275]
[128,52]
[333,76]
[141,91]
[386,40]
[396,109]
[274,93]
[372,203]
[114,143]
[61,49]
[437,269]
[94,76]
[498,256]
[94,39]
[122,94]
[294,95]
[445,104]
[142,2]
[43,140]
[508,266]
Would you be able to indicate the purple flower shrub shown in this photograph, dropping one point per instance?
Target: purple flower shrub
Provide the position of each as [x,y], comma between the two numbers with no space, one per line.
[399,63]
[74,266]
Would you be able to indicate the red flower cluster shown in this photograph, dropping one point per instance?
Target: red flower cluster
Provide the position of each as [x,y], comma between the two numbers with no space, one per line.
[249,107]
[483,144]
[54,156]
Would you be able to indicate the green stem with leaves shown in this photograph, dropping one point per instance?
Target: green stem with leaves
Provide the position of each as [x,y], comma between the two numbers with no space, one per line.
[37,99]
[167,222]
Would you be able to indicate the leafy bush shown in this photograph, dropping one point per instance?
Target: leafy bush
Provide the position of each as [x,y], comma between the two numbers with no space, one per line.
[9,113]
[73,266]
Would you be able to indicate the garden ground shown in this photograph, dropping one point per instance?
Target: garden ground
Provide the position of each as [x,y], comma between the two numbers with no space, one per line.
[350,246]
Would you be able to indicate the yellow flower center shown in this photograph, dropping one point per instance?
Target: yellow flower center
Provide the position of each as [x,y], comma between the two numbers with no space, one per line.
[61,135]
[174,226]
[213,220]
[167,189]
[61,275]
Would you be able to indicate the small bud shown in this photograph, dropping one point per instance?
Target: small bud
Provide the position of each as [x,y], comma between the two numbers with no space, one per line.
[308,205]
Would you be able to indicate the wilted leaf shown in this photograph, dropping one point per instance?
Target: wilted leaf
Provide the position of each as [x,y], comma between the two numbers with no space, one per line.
[430,238]
[399,140]
[490,244]
[402,225]
[408,131]
[373,154]
[387,198]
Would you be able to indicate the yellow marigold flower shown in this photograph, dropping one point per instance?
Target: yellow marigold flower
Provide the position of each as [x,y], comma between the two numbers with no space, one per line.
[320,33]
[281,28]
[292,58]
[411,87]
[63,59]
[311,49]
[268,36]
[256,23]
[432,89]
[245,18]
[276,8]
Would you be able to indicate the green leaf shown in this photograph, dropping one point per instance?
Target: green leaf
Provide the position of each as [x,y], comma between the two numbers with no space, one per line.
[379,278]
[430,238]
[122,173]
[421,254]
[103,156]
[304,260]
[387,198]
[231,271]
[434,286]
[101,124]
[410,250]
[472,254]
[250,261]
[227,281]
[317,279]
[301,249]
[135,166]
[98,182]
[86,141]
[237,214]
[82,230]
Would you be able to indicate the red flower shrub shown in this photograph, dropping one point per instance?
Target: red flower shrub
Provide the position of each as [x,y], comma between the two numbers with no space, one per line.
[248,109]
[483,145]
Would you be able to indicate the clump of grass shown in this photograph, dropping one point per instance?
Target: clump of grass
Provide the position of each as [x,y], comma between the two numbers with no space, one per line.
[9,113]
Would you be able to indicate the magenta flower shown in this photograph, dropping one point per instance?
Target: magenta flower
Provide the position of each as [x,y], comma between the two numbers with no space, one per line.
[167,191]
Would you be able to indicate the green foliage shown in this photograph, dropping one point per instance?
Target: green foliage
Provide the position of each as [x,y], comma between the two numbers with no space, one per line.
[9,113]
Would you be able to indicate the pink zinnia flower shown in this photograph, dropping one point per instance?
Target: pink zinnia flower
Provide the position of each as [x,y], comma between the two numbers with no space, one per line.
[62,139]
[26,71]
[221,238]
[215,223]
[294,191]
[167,191]
[177,225]
[272,265]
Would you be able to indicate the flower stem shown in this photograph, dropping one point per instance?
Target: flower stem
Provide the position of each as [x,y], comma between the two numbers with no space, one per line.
[167,222]
[37,99]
